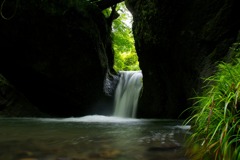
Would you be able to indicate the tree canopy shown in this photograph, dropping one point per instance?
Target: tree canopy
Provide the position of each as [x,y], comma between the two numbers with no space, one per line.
[125,57]
[104,4]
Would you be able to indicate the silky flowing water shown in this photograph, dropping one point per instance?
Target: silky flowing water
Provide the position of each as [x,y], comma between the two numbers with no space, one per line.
[91,138]
[127,93]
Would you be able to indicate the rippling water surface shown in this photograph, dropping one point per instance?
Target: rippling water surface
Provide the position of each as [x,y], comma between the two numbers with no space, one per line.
[91,138]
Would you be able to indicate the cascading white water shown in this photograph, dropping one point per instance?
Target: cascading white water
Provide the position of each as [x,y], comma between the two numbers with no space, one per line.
[127,93]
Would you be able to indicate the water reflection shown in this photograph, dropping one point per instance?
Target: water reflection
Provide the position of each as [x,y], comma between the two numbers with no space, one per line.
[91,138]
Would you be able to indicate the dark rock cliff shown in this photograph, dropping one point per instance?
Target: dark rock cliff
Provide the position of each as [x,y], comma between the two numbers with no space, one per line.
[55,54]
[178,43]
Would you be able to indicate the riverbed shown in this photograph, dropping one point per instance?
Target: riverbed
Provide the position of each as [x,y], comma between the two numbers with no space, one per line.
[93,137]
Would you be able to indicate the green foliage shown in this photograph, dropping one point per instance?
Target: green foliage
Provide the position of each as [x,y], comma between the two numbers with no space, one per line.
[106,12]
[215,118]
[125,57]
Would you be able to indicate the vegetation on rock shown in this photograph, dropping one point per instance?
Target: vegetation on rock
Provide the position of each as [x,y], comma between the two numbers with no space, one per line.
[215,118]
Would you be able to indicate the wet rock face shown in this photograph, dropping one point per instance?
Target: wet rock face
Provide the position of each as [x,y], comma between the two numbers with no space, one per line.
[178,43]
[55,54]
[13,103]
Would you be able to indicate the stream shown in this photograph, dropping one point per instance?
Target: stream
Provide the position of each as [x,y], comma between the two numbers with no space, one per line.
[92,137]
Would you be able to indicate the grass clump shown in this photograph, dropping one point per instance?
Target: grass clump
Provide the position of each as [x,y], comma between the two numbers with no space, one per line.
[215,118]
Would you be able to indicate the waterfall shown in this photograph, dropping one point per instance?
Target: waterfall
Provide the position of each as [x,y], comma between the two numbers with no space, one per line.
[127,93]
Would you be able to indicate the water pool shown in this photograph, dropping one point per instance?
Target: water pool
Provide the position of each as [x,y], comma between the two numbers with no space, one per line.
[92,138]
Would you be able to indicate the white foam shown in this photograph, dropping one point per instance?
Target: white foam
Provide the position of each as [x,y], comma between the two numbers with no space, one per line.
[184,127]
[93,118]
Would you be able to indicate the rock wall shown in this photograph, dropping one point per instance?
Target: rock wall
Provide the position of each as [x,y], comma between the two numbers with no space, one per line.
[178,44]
[55,54]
